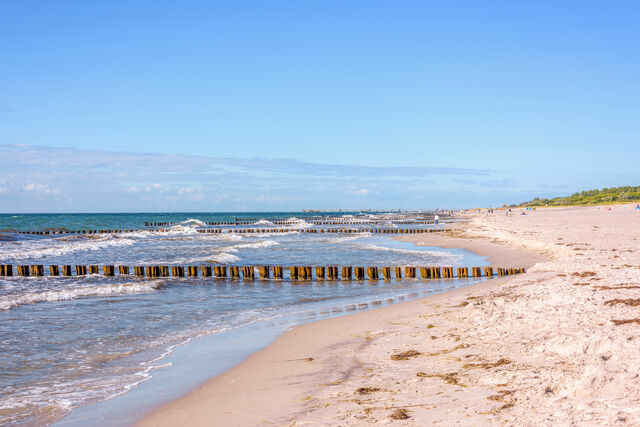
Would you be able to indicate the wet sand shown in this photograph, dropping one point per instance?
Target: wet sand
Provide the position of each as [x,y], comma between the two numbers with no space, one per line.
[555,345]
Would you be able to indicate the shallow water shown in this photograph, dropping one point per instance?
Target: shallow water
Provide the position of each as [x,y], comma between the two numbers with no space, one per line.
[70,342]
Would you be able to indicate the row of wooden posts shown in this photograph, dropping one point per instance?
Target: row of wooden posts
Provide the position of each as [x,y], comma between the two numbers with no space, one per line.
[276,222]
[264,272]
[252,230]
[329,230]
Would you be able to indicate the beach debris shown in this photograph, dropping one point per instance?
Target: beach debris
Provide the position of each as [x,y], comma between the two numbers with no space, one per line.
[631,301]
[487,365]
[625,321]
[502,394]
[367,390]
[584,274]
[406,355]
[400,414]
[450,378]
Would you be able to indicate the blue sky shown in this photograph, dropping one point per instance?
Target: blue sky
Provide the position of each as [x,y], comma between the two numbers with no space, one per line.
[288,105]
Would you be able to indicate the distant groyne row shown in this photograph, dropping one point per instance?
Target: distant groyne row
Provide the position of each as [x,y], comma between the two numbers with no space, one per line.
[287,222]
[248,230]
[331,272]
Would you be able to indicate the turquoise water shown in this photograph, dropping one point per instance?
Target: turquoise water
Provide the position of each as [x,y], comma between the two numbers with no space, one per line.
[74,347]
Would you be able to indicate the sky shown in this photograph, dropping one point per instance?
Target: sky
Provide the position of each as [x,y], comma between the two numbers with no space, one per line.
[285,105]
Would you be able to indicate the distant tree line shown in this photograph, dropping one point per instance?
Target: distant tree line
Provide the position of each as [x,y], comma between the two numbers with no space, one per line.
[591,197]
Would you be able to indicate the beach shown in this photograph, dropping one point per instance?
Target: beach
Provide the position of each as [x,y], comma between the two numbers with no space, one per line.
[557,345]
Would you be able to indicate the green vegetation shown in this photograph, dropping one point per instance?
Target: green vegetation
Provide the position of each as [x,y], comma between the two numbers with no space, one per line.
[591,197]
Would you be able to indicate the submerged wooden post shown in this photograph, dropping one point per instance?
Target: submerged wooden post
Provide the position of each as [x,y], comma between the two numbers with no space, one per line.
[476,272]
[372,272]
[123,270]
[108,270]
[320,273]
[206,270]
[410,272]
[488,271]
[138,271]
[37,270]
[398,271]
[293,273]
[234,272]
[347,273]
[81,270]
[448,272]
[359,273]
[425,273]
[386,271]
[93,269]
[192,271]
[7,270]
[248,273]
[221,271]
[177,271]
[277,272]
[66,270]
[265,272]
[463,272]
[53,270]
[23,270]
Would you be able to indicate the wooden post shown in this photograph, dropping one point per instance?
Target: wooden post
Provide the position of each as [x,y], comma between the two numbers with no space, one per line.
[66,270]
[293,273]
[463,272]
[37,270]
[425,273]
[265,273]
[448,272]
[410,272]
[398,273]
[108,270]
[206,270]
[386,271]
[23,270]
[488,271]
[359,273]
[138,271]
[81,270]
[123,270]
[234,271]
[53,270]
[277,272]
[192,271]
[347,273]
[93,269]
[177,271]
[476,272]
[248,273]
[320,273]
[372,272]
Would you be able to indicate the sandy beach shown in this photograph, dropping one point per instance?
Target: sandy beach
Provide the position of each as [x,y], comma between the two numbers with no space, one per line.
[557,345]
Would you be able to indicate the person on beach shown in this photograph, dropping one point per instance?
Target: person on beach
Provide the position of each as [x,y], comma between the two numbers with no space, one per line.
[437,218]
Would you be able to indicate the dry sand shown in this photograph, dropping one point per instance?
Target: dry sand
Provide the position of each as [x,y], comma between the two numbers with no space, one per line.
[558,345]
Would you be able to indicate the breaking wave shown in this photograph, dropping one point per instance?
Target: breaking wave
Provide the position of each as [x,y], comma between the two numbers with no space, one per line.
[11,301]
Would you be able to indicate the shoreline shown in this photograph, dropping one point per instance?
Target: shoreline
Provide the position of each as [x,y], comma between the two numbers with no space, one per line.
[303,359]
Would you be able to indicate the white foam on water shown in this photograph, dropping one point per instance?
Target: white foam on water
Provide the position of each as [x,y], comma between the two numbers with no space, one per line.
[264,222]
[437,254]
[11,301]
[298,223]
[254,245]
[22,250]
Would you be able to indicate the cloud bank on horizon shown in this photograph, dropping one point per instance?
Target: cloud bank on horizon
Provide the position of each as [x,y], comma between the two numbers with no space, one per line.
[50,179]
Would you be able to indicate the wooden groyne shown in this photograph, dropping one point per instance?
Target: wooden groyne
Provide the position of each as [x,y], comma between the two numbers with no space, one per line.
[247,230]
[309,221]
[299,273]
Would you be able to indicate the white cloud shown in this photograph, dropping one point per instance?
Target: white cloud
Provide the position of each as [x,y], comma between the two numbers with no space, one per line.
[86,180]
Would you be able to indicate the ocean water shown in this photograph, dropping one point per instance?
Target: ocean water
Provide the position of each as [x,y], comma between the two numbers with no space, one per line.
[78,348]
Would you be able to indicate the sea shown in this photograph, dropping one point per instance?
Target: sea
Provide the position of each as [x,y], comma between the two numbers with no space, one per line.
[96,350]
